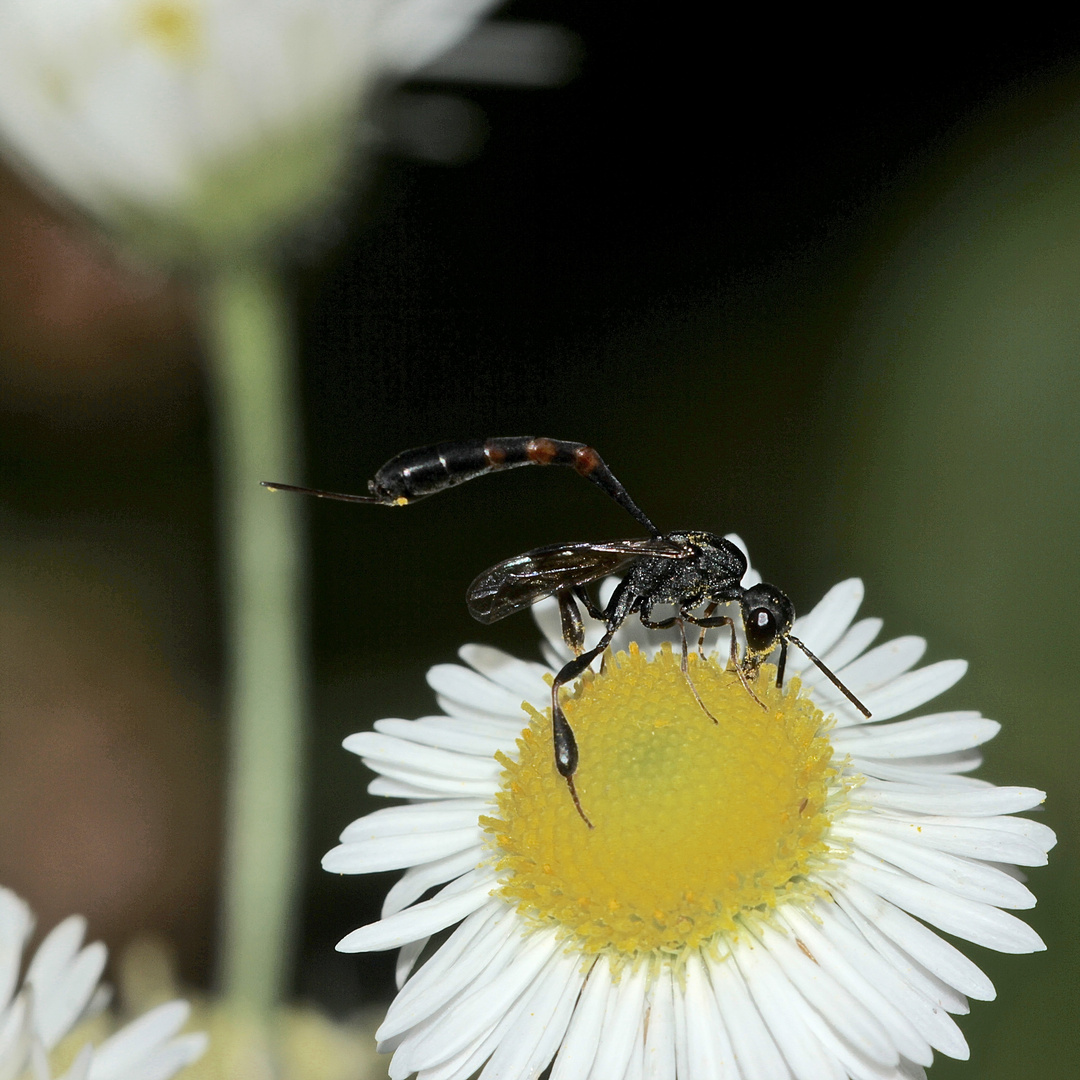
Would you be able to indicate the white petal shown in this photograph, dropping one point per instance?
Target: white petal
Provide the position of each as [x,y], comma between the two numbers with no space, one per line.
[16,1035]
[418,879]
[962,877]
[596,1072]
[842,965]
[507,1030]
[783,1010]
[385,749]
[853,1064]
[939,995]
[506,728]
[407,957]
[459,1066]
[553,659]
[659,1058]
[635,1069]
[125,1051]
[479,738]
[578,1050]
[755,1049]
[16,922]
[413,34]
[398,852]
[524,679]
[465,954]
[549,1011]
[407,820]
[903,941]
[166,1061]
[882,665]
[473,691]
[983,802]
[967,919]
[391,788]
[824,626]
[431,785]
[922,945]
[546,614]
[475,1012]
[422,919]
[63,983]
[940,770]
[620,1024]
[917,997]
[938,734]
[682,1050]
[56,952]
[990,839]
[708,1046]
[851,1020]
[907,691]
[910,1071]
[855,642]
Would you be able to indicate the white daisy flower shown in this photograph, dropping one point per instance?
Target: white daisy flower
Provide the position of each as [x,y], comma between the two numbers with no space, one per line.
[201,125]
[756,898]
[59,990]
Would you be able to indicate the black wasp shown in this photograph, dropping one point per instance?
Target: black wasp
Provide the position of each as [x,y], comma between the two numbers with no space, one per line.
[685,569]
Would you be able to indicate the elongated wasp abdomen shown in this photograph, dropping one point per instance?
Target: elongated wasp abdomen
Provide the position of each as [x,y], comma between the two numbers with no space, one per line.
[427,470]
[685,569]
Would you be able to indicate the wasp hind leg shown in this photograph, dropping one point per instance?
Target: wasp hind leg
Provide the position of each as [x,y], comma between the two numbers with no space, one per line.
[566,749]
[573,631]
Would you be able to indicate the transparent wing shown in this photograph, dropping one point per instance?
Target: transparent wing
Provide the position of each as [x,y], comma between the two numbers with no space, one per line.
[519,582]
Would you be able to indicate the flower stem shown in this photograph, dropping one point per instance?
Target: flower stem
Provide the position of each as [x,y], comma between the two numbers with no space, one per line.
[253,381]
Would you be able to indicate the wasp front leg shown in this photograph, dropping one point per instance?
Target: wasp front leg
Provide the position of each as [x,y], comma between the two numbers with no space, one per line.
[742,670]
[704,629]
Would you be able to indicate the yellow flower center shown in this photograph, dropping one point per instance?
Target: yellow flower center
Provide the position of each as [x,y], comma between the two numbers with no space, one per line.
[171,26]
[696,822]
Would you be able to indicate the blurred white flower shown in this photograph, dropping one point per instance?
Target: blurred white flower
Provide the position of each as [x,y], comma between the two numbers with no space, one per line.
[60,989]
[198,126]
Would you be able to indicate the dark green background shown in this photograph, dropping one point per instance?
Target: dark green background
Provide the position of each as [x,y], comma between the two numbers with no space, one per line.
[828,299]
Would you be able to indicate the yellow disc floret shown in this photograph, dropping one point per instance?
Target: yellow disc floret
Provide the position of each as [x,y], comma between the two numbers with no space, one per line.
[696,822]
[171,26]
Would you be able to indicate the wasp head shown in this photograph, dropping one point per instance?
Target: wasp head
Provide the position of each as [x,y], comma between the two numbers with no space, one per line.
[767,617]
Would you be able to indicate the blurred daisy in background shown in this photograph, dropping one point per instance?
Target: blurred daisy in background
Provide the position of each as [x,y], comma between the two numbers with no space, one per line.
[46,1022]
[202,134]
[753,901]
[201,128]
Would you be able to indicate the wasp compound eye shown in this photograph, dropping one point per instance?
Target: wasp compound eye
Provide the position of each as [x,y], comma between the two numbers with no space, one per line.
[767,617]
[760,628]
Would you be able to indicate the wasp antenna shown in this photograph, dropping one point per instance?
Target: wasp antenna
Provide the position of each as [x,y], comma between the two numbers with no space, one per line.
[780,666]
[340,496]
[831,677]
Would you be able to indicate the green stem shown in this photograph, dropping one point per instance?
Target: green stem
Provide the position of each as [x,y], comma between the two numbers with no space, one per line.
[253,383]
